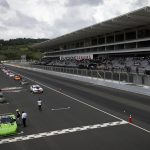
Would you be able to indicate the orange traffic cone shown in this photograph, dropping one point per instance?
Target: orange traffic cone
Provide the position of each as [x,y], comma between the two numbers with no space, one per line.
[130,119]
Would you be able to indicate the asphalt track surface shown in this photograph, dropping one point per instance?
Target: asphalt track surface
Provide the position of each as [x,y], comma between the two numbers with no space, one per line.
[75,116]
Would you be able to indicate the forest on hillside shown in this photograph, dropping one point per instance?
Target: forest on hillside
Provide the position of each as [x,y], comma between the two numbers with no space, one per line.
[13,49]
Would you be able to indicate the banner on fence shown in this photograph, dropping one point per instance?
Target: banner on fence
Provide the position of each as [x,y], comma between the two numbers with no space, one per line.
[77,57]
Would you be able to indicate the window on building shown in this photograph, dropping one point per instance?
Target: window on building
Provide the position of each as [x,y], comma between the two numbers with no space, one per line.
[130,35]
[144,44]
[119,37]
[110,39]
[119,46]
[101,48]
[130,45]
[110,48]
[143,33]
[101,40]
[94,41]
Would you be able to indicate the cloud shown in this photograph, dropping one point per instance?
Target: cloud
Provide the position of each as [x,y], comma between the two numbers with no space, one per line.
[2,28]
[52,18]
[114,8]
[84,2]
[21,20]
[4,6]
[4,3]
[74,19]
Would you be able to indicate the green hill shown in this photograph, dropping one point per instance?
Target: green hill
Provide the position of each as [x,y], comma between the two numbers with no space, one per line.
[14,48]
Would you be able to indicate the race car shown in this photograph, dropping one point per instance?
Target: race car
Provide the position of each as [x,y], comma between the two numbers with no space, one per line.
[36,89]
[8,72]
[8,124]
[4,70]
[11,74]
[17,77]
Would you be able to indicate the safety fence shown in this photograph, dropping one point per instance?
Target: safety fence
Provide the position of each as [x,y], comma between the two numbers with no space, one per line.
[139,79]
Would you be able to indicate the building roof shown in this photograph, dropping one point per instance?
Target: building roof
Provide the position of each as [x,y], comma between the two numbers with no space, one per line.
[133,19]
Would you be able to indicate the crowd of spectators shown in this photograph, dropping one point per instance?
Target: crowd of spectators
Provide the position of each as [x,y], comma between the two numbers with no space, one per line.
[123,64]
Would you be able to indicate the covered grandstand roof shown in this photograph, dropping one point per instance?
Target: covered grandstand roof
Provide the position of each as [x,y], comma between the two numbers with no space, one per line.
[130,20]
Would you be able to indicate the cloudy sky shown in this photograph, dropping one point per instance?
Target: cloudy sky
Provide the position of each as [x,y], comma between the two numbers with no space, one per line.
[52,18]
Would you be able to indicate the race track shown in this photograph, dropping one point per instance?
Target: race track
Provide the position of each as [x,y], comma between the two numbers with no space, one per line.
[75,116]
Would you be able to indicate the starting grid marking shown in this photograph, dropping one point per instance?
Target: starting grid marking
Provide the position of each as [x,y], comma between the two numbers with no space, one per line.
[63,131]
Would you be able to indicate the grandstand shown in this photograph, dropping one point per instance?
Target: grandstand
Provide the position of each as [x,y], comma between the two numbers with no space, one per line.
[119,43]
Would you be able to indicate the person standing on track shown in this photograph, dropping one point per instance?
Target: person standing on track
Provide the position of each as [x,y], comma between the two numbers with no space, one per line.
[39,103]
[24,118]
[18,117]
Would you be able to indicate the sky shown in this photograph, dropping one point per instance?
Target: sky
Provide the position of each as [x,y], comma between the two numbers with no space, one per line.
[53,18]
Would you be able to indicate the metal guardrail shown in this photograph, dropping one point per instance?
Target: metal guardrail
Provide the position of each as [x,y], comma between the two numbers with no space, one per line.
[139,79]
[109,75]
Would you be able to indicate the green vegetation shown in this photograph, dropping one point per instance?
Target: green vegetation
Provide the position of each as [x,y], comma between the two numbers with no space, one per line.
[14,48]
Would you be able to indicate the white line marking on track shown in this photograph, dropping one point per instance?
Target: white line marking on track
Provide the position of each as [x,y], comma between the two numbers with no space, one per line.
[86,104]
[63,131]
[134,125]
[11,88]
[13,91]
[53,109]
